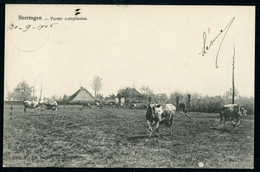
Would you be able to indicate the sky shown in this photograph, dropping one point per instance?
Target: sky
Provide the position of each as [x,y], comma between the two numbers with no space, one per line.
[155,46]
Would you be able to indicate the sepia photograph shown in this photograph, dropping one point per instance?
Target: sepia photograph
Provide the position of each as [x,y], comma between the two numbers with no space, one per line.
[129,86]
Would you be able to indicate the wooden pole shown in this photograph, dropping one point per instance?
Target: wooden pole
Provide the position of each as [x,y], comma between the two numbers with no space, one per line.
[188,100]
[34,91]
[233,77]
[41,93]
[177,102]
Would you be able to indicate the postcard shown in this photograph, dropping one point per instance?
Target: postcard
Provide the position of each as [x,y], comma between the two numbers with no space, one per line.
[129,86]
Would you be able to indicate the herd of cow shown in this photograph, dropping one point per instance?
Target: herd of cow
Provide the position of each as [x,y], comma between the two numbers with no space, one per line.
[156,114]
[163,114]
[40,105]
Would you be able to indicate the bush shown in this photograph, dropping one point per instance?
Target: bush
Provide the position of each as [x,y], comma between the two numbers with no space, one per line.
[212,104]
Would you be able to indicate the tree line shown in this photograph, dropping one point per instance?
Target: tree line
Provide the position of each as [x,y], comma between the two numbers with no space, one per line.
[197,103]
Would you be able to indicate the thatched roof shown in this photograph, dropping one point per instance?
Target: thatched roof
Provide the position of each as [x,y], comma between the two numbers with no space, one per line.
[82,95]
[129,92]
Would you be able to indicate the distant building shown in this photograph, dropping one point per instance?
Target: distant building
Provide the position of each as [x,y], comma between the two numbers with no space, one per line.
[129,95]
[110,99]
[81,96]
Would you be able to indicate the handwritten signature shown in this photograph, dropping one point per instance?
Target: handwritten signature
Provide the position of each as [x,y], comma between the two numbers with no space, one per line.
[206,48]
[27,27]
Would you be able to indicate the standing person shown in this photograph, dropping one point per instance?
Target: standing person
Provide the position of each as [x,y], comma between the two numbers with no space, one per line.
[149,100]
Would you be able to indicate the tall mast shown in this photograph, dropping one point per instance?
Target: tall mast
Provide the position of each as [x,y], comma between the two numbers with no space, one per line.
[233,77]
[34,92]
[41,92]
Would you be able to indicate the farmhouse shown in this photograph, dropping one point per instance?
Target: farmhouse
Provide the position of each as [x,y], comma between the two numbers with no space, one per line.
[110,99]
[129,95]
[81,96]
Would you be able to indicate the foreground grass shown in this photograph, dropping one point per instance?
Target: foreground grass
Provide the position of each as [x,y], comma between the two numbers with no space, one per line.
[119,138]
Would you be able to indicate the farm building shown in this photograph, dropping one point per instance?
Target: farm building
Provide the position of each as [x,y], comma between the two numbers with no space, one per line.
[110,99]
[81,96]
[130,95]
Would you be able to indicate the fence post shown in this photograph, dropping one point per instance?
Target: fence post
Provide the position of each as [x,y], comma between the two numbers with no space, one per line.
[177,102]
[11,113]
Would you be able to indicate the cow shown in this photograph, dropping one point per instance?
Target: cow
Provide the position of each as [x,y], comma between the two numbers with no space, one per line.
[232,112]
[31,105]
[49,105]
[88,105]
[183,108]
[160,114]
[112,105]
[98,104]
[133,106]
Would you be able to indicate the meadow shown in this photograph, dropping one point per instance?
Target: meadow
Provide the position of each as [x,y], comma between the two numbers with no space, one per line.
[115,138]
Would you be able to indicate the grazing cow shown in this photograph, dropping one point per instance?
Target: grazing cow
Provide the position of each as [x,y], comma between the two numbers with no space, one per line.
[112,105]
[88,105]
[133,106]
[98,104]
[231,112]
[31,105]
[49,105]
[160,114]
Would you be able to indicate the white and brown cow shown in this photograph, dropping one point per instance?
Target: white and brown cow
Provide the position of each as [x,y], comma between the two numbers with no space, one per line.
[160,114]
[133,106]
[31,105]
[49,105]
[98,104]
[231,112]
[86,105]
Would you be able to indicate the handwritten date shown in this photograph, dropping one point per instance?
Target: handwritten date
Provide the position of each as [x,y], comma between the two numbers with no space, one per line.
[29,26]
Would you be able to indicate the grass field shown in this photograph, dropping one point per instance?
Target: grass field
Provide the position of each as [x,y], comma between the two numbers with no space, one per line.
[119,138]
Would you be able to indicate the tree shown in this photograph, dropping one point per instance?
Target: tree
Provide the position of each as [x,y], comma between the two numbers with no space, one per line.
[65,97]
[55,97]
[145,90]
[229,94]
[22,92]
[10,96]
[176,96]
[96,85]
[161,98]
[147,93]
